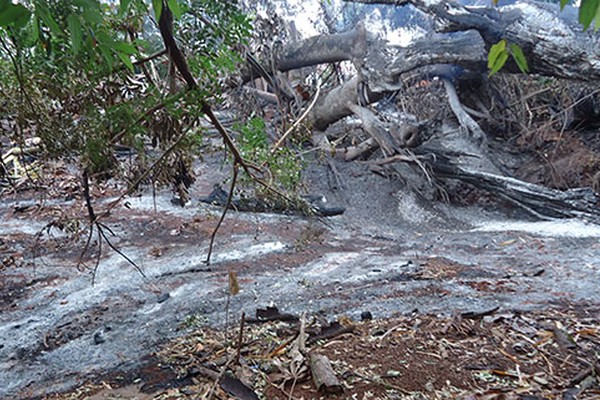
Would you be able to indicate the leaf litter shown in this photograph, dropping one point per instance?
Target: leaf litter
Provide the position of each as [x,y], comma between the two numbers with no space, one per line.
[551,354]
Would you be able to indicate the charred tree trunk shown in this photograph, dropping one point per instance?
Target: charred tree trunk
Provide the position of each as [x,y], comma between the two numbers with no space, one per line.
[538,200]
[554,42]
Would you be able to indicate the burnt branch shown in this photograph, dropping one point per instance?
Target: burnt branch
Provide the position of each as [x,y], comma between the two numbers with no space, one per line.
[93,223]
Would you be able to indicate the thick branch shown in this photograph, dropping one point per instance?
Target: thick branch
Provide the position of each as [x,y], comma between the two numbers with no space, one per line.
[165,24]
[323,49]
[383,71]
[554,42]
[319,49]
[334,105]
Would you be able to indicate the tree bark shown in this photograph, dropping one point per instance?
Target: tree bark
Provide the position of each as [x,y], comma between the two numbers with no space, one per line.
[540,201]
[323,375]
[554,42]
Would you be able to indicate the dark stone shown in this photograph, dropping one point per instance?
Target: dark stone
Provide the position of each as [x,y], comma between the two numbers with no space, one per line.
[163,297]
[99,338]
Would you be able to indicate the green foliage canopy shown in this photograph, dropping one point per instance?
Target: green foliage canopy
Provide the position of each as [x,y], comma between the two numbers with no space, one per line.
[85,75]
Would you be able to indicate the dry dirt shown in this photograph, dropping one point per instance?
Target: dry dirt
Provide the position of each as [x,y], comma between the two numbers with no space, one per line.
[538,355]
[424,272]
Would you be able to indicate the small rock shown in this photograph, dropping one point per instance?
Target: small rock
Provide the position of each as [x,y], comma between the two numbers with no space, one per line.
[99,338]
[366,316]
[163,297]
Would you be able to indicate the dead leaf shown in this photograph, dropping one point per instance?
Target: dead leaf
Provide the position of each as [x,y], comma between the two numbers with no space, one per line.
[234,286]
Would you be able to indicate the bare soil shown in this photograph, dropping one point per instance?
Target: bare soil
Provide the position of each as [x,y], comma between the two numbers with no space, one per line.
[423,270]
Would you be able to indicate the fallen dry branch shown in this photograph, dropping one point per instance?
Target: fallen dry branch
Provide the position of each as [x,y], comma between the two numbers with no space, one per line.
[353,152]
[323,375]
[539,200]
[349,153]
[375,128]
[94,223]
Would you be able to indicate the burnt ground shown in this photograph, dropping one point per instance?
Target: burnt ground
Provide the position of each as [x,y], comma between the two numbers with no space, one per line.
[417,267]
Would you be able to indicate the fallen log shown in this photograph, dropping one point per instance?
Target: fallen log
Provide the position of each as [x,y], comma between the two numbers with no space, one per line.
[540,201]
[553,41]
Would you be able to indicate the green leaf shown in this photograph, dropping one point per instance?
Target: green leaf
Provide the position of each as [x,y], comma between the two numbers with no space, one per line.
[498,62]
[126,60]
[106,45]
[563,3]
[87,4]
[125,48]
[157,5]
[14,15]
[104,39]
[175,8]
[517,54]
[35,31]
[106,54]
[43,13]
[90,11]
[587,12]
[597,19]
[124,6]
[495,52]
[92,16]
[76,33]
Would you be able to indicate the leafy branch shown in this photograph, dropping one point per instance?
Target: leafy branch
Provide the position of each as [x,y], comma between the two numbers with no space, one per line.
[499,54]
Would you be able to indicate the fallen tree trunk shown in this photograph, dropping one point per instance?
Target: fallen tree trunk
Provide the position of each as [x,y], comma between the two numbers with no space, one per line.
[539,200]
[554,42]
[315,50]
